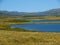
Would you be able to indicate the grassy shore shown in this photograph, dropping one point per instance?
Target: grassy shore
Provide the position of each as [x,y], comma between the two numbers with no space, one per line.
[45,18]
[10,36]
[29,38]
[6,21]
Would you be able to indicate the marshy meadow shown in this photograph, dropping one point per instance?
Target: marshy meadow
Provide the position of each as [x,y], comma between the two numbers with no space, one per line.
[20,36]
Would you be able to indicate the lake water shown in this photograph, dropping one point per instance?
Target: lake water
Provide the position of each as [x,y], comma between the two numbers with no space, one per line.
[40,27]
[45,20]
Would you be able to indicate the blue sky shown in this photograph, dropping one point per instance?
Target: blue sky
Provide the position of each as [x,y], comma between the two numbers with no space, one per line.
[29,5]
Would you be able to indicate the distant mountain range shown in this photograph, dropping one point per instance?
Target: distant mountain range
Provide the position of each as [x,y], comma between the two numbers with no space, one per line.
[52,12]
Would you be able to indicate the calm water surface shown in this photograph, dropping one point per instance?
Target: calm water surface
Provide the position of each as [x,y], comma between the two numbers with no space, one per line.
[45,20]
[40,27]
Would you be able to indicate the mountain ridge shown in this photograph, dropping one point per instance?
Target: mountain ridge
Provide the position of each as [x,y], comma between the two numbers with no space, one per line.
[52,12]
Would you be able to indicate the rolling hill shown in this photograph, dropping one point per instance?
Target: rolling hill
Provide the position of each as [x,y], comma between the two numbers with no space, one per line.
[52,12]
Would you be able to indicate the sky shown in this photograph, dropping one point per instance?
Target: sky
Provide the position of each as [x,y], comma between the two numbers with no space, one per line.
[29,5]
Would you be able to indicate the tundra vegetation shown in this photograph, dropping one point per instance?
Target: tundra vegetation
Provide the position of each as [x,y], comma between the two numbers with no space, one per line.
[16,36]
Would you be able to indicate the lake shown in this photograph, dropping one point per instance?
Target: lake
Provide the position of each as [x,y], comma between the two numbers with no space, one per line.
[45,20]
[39,27]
